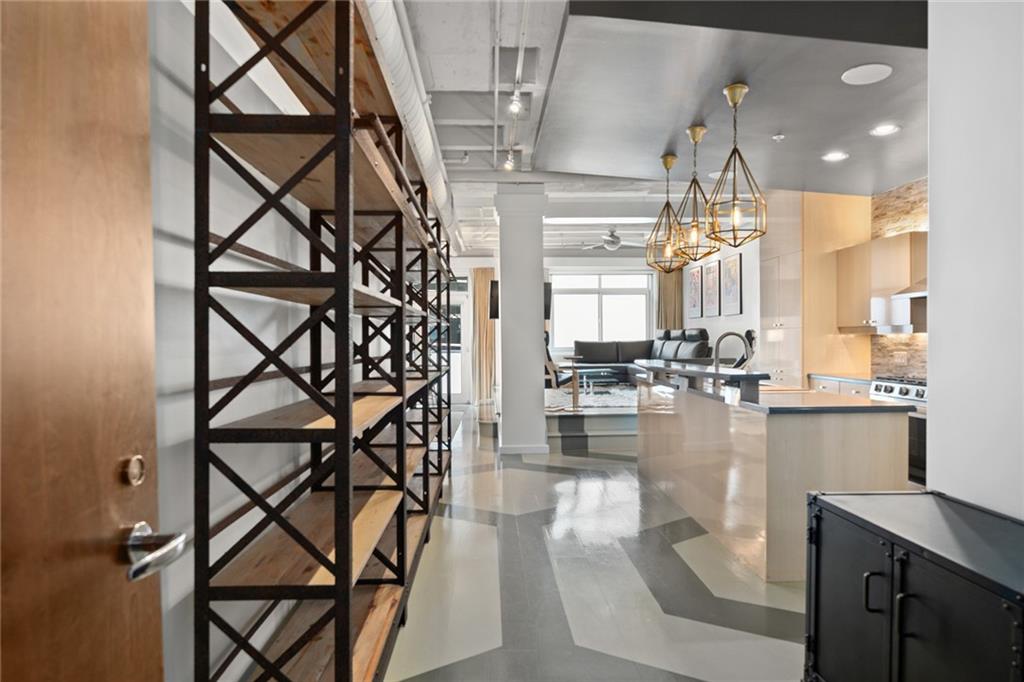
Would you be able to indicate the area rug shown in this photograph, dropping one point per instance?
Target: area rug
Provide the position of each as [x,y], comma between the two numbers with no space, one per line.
[615,395]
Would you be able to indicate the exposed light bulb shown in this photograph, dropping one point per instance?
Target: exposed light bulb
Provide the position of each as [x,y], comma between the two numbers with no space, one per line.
[693,232]
[737,215]
[515,107]
[666,251]
[510,162]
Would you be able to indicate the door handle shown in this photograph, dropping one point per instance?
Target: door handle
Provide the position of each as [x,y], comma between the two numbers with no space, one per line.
[866,591]
[147,552]
[898,616]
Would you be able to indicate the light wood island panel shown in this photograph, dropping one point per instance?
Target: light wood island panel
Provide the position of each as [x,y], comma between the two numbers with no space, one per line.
[743,474]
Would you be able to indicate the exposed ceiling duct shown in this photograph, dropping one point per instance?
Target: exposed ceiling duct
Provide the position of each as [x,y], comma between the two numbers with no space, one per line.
[394,48]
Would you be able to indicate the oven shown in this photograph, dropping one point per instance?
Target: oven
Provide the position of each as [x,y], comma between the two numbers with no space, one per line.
[911,391]
[918,437]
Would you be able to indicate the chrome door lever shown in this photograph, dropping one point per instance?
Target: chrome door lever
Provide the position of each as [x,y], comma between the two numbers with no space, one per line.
[147,552]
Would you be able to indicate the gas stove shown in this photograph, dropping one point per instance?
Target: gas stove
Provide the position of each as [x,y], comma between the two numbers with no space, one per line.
[901,389]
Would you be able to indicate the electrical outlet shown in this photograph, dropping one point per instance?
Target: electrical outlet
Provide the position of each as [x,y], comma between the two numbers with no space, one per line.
[900,358]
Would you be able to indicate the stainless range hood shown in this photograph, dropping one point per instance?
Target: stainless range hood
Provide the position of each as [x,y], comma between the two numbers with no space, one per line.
[910,309]
[918,289]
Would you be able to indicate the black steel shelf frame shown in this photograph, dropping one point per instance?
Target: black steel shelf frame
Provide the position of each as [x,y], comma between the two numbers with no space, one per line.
[393,349]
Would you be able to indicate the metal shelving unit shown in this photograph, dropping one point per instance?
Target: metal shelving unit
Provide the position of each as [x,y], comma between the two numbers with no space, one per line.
[325,571]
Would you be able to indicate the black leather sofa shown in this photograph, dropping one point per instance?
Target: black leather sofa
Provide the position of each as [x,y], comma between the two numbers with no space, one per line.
[616,358]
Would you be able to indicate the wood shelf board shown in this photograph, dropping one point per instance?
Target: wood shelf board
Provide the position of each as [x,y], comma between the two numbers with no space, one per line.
[374,611]
[306,414]
[366,472]
[275,558]
[312,45]
[382,387]
[364,299]
[375,188]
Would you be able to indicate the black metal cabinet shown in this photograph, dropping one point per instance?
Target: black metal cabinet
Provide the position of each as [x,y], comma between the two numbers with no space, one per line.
[947,629]
[853,574]
[914,587]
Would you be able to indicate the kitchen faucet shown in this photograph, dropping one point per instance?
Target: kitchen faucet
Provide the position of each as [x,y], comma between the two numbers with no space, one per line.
[748,352]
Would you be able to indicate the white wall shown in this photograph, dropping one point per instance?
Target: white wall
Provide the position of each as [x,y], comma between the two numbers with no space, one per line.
[523,429]
[751,315]
[171,35]
[976,176]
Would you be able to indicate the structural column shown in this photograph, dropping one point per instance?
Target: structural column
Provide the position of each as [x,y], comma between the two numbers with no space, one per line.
[976,287]
[522,428]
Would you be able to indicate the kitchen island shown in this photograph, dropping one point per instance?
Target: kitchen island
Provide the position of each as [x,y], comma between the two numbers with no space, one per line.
[739,456]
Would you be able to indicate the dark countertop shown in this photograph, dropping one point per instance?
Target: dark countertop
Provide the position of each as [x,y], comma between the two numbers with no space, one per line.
[789,401]
[854,379]
[698,371]
[988,545]
[798,402]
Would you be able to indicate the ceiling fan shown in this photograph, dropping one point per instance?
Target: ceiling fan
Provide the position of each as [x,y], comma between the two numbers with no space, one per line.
[611,242]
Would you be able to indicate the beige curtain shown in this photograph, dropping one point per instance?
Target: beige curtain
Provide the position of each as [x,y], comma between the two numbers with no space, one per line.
[483,334]
[670,300]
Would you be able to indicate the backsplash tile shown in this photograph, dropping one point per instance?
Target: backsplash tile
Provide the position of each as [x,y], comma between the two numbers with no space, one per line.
[889,350]
[900,209]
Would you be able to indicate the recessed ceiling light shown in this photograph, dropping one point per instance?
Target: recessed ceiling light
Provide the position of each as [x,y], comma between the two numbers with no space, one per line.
[884,129]
[866,74]
[714,175]
[835,156]
[778,137]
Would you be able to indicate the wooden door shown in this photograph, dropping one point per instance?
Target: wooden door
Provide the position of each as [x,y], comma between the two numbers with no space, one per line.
[77,342]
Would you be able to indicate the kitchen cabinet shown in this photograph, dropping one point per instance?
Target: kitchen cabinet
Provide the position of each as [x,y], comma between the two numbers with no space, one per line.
[780,340]
[839,385]
[780,291]
[854,388]
[912,586]
[867,275]
[779,355]
[825,386]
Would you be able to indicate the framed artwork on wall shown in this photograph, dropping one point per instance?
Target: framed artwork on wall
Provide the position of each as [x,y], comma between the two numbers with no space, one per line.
[712,281]
[732,285]
[693,292]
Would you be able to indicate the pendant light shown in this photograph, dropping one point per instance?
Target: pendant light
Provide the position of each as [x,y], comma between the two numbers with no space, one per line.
[661,244]
[737,211]
[693,243]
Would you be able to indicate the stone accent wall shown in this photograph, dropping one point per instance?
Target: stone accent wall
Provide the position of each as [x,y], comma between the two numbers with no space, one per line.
[900,209]
[899,355]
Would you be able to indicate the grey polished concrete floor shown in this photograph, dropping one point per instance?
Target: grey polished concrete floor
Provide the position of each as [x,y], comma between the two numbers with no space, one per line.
[572,568]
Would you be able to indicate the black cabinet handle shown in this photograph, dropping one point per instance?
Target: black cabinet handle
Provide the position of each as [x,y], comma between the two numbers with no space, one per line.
[898,616]
[866,591]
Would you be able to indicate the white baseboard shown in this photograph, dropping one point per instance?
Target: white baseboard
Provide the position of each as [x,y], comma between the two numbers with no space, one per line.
[524,450]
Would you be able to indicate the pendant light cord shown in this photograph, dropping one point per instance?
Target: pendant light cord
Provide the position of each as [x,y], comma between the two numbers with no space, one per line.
[735,111]
[694,174]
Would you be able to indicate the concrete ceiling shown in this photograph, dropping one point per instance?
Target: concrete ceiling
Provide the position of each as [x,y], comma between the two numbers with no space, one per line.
[615,111]
[610,86]
[455,44]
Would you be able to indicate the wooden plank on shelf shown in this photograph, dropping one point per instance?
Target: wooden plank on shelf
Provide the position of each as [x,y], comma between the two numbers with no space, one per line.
[374,611]
[375,188]
[366,411]
[382,387]
[275,558]
[312,45]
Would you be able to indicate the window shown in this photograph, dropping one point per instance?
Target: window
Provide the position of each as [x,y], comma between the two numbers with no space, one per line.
[595,307]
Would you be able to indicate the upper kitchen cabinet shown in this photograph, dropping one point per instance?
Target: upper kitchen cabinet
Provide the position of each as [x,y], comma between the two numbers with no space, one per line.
[867,276]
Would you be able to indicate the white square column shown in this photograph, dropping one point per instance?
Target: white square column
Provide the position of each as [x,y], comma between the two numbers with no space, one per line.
[975,251]
[522,428]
